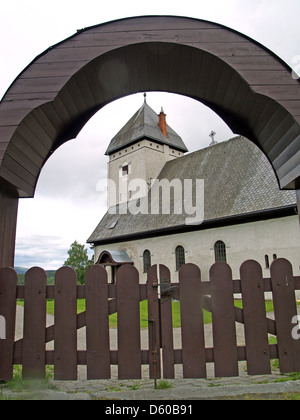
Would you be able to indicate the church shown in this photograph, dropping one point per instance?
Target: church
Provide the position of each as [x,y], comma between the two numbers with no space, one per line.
[168,206]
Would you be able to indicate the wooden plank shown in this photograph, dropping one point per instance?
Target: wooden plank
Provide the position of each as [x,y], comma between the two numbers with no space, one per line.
[167,341]
[223,317]
[34,342]
[8,290]
[97,324]
[153,22]
[256,327]
[192,323]
[65,330]
[153,323]
[278,91]
[20,157]
[285,313]
[19,170]
[38,84]
[129,335]
[61,69]
[26,134]
[98,38]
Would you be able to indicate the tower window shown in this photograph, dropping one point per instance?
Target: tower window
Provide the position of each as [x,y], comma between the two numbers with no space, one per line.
[147,260]
[125,170]
[180,257]
[220,252]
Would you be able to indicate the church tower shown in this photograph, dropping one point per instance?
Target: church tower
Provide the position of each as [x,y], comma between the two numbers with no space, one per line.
[139,152]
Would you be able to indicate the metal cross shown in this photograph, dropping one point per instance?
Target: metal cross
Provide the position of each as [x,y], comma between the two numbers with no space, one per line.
[212,136]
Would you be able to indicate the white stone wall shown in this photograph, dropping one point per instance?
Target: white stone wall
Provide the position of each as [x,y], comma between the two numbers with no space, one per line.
[244,241]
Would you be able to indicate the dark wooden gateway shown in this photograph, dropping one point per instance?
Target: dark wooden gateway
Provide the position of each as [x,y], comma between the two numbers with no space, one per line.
[124,297]
[249,87]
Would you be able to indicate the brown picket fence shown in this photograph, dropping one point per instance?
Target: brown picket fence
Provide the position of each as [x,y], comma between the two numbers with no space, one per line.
[124,297]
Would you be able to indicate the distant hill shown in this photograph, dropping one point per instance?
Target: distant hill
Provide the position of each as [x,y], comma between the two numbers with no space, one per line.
[23,270]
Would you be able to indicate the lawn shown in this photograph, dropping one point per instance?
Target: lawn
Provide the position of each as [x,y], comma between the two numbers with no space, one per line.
[144,312]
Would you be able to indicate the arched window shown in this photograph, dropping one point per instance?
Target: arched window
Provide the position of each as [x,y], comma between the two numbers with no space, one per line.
[180,257]
[220,252]
[147,260]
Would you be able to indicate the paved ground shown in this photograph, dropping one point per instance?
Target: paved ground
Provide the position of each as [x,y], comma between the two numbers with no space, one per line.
[179,389]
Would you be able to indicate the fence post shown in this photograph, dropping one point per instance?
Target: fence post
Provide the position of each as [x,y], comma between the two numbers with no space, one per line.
[192,324]
[65,331]
[97,323]
[223,316]
[166,324]
[154,318]
[129,333]
[255,320]
[285,309]
[34,342]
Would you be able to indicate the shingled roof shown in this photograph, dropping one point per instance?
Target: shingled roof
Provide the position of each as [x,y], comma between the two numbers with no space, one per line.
[239,182]
[145,125]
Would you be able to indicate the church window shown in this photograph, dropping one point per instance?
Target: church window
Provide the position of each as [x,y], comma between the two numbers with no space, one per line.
[180,257]
[220,252]
[147,260]
[267,261]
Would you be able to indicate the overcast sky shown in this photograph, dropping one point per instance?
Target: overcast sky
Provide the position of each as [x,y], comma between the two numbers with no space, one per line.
[67,205]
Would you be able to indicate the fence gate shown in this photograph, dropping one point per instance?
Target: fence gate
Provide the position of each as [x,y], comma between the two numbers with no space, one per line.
[124,297]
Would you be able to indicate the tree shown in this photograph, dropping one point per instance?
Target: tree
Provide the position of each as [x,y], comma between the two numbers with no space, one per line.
[79,260]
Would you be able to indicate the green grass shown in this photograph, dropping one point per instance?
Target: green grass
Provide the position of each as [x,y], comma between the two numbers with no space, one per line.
[269,305]
[163,384]
[26,389]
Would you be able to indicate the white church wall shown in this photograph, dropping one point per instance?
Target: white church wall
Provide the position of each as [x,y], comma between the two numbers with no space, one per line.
[254,240]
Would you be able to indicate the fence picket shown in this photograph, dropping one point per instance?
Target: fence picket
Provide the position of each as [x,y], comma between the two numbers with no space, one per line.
[192,324]
[255,320]
[8,293]
[153,323]
[97,324]
[285,309]
[167,341]
[223,316]
[65,332]
[34,342]
[129,334]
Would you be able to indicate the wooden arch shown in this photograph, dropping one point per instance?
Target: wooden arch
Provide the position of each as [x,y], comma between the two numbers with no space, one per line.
[54,97]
